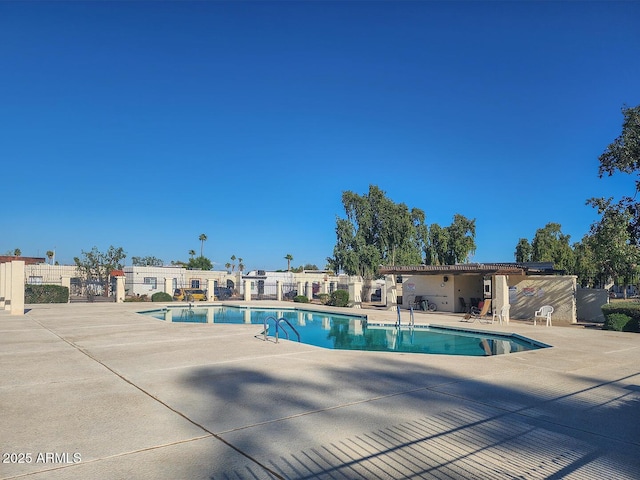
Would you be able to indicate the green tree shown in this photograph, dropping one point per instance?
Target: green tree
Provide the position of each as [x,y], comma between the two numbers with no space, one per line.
[306,266]
[288,257]
[462,234]
[623,155]
[200,263]
[376,231]
[17,252]
[453,244]
[586,267]
[233,262]
[50,254]
[611,241]
[202,238]
[192,253]
[524,251]
[551,245]
[437,245]
[331,264]
[240,265]
[96,265]
[146,261]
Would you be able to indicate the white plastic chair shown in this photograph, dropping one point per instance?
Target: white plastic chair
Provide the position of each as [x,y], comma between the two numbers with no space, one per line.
[544,313]
[502,315]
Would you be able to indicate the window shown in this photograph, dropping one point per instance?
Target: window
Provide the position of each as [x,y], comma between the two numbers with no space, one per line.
[33,280]
[153,281]
[195,283]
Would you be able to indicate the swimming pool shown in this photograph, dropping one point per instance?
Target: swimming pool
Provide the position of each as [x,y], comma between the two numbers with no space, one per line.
[354,332]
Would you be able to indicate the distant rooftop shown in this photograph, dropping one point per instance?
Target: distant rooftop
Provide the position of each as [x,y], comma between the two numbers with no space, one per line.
[524,268]
[26,260]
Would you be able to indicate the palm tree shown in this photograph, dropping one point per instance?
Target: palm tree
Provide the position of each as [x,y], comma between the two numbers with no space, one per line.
[50,255]
[233,264]
[227,266]
[240,265]
[288,258]
[17,252]
[202,238]
[192,253]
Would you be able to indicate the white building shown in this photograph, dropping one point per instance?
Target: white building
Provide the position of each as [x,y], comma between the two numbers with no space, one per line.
[149,280]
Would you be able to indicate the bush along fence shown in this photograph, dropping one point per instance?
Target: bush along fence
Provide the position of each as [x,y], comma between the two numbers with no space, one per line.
[45,294]
[622,316]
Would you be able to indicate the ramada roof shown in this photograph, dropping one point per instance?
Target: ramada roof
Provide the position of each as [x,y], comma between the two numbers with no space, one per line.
[529,268]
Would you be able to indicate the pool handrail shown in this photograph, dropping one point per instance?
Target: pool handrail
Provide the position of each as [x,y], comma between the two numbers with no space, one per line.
[276,322]
[290,326]
[412,320]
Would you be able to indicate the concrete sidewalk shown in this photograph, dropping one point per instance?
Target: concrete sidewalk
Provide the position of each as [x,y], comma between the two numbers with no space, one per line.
[99,391]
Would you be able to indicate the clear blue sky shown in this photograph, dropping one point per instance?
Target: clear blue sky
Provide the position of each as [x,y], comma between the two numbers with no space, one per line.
[145,124]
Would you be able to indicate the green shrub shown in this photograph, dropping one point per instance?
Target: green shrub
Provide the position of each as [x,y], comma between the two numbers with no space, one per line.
[161,297]
[616,321]
[46,294]
[324,298]
[300,299]
[622,316]
[339,298]
[137,298]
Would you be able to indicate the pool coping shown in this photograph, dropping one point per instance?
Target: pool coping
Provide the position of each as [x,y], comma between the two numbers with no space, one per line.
[208,402]
[538,344]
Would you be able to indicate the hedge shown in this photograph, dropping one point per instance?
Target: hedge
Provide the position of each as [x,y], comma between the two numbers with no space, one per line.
[161,297]
[339,298]
[300,299]
[622,316]
[46,294]
[324,298]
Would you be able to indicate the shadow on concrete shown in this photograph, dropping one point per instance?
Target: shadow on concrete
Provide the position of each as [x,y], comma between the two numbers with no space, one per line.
[393,419]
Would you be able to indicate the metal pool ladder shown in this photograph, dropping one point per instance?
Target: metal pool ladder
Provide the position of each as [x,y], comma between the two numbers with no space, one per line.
[412,321]
[277,323]
[187,315]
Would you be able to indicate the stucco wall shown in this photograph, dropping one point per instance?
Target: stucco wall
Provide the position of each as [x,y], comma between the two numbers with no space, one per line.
[528,294]
[467,287]
[589,303]
[445,294]
[434,287]
[49,274]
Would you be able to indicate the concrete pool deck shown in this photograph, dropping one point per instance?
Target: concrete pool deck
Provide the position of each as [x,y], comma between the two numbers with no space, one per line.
[99,391]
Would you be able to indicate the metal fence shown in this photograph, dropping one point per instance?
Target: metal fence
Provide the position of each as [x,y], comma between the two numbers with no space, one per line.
[260,290]
[83,290]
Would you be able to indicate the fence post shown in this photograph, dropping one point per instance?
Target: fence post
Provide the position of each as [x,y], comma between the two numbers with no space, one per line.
[17,287]
[247,290]
[355,293]
[120,288]
[211,290]
[391,294]
[7,286]
[66,282]
[3,283]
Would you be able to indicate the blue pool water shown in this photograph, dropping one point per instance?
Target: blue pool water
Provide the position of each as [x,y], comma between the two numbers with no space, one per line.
[354,332]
